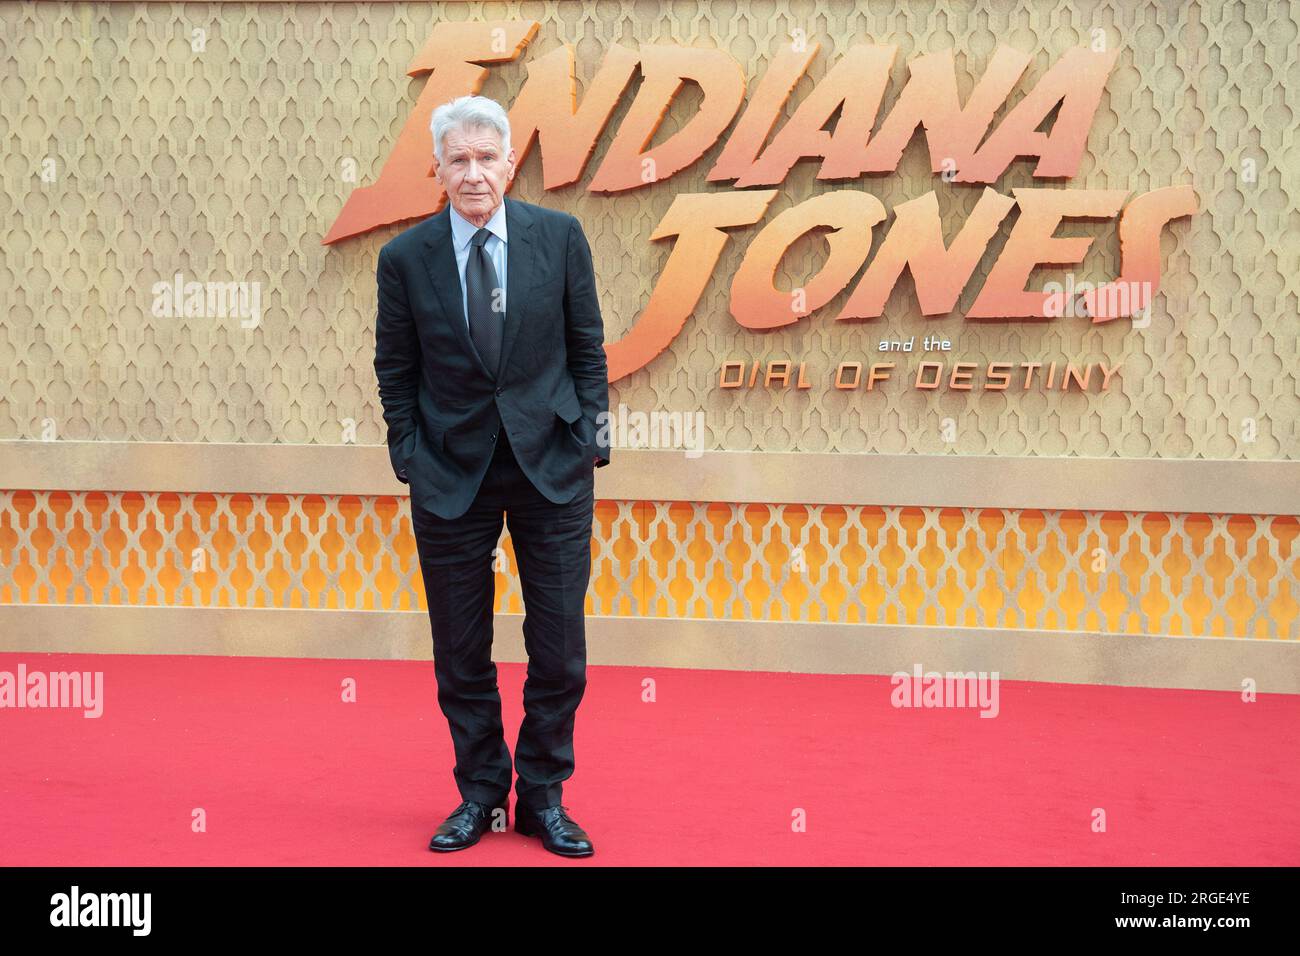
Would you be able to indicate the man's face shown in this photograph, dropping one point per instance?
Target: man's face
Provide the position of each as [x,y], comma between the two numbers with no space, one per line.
[474,171]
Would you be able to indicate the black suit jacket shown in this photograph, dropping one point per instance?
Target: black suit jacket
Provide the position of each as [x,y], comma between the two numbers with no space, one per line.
[444,407]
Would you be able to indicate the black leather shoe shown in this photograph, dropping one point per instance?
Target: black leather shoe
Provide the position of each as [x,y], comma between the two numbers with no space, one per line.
[556,828]
[465,825]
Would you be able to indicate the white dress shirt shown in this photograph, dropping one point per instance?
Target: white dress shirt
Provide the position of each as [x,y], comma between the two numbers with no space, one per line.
[462,231]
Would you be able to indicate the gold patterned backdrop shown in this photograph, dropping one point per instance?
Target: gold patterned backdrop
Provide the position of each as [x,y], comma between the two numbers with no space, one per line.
[1181,575]
[213,140]
[143,140]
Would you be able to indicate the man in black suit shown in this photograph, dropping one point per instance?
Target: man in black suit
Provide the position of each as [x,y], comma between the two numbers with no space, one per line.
[489,352]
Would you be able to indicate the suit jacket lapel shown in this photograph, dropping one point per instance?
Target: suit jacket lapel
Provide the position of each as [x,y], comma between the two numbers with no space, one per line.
[521,254]
[440,260]
[521,274]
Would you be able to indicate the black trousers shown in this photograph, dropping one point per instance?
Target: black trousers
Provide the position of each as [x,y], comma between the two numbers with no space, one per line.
[552,545]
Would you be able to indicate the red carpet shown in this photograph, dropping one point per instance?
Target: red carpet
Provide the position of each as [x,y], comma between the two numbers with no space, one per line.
[708,774]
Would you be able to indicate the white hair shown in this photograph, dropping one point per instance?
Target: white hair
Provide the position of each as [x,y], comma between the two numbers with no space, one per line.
[469,112]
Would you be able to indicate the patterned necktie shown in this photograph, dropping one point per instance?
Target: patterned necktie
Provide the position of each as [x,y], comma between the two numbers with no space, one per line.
[485,324]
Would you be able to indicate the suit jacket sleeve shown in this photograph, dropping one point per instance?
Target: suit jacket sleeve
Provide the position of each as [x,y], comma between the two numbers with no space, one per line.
[397,364]
[584,332]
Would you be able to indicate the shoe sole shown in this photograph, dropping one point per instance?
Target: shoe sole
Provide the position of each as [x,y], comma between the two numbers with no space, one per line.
[452,849]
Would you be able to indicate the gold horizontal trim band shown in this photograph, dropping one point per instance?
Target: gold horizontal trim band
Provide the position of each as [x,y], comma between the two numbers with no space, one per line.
[956,481]
[1070,657]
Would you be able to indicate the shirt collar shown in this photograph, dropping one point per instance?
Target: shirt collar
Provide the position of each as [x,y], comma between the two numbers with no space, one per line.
[462,230]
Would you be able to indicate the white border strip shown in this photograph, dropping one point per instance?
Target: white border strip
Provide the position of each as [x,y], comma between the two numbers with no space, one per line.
[1072,657]
[959,481]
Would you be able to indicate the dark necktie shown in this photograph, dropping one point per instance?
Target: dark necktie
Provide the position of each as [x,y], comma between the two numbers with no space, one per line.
[485,324]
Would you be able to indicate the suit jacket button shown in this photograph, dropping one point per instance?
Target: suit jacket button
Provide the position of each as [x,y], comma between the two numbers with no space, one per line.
[494,437]
[500,390]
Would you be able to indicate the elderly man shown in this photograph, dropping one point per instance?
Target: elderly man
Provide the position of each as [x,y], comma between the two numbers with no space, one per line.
[489,352]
